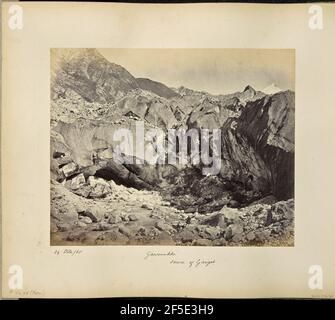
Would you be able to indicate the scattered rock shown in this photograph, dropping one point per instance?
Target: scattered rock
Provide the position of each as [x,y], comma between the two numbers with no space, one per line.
[77,181]
[70,169]
[102,226]
[215,220]
[113,219]
[238,238]
[230,215]
[232,230]
[146,206]
[81,224]
[233,204]
[53,227]
[83,191]
[63,227]
[263,235]
[213,232]
[132,217]
[219,242]
[186,236]
[95,213]
[251,236]
[202,242]
[190,210]
[164,237]
[75,236]
[266,200]
[162,226]
[125,231]
[80,207]
[100,191]
[269,219]
[142,232]
[124,218]
[86,220]
[64,160]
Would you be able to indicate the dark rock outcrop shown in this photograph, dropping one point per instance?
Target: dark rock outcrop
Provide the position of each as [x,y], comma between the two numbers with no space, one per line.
[268,124]
[156,87]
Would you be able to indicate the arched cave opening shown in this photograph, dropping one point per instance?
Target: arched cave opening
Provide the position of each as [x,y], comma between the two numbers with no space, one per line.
[127,181]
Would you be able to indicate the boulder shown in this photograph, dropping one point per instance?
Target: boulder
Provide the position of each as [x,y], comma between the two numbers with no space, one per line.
[266,200]
[233,204]
[202,242]
[230,215]
[162,226]
[219,242]
[64,212]
[113,219]
[63,227]
[283,210]
[217,219]
[83,191]
[63,160]
[77,181]
[70,169]
[86,220]
[142,232]
[125,231]
[80,207]
[132,217]
[238,238]
[100,191]
[81,224]
[53,227]
[213,232]
[269,218]
[186,236]
[93,182]
[263,235]
[146,206]
[232,230]
[102,226]
[95,213]
[251,236]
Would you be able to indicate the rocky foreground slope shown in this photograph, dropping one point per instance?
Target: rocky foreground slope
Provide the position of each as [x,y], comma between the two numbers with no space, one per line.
[95,200]
[140,217]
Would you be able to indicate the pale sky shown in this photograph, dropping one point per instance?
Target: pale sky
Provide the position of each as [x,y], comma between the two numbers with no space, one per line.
[213,70]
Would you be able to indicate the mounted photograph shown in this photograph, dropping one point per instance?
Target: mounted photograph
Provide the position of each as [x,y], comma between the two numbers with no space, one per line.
[181,147]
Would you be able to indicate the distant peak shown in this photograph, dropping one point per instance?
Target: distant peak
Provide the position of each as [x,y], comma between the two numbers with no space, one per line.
[249,88]
[271,89]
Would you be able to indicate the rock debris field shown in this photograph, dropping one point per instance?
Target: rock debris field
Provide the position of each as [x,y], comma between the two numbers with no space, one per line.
[95,200]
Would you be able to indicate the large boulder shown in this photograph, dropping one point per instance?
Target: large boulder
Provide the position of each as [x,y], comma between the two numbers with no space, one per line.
[77,181]
[70,169]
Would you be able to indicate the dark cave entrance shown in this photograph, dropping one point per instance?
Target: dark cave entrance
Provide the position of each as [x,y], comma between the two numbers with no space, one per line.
[109,175]
[189,189]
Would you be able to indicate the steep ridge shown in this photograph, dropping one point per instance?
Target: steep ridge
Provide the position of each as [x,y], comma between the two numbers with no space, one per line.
[269,125]
[156,87]
[90,75]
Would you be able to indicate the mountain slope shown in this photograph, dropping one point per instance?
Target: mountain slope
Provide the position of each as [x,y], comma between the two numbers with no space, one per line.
[90,75]
[156,87]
